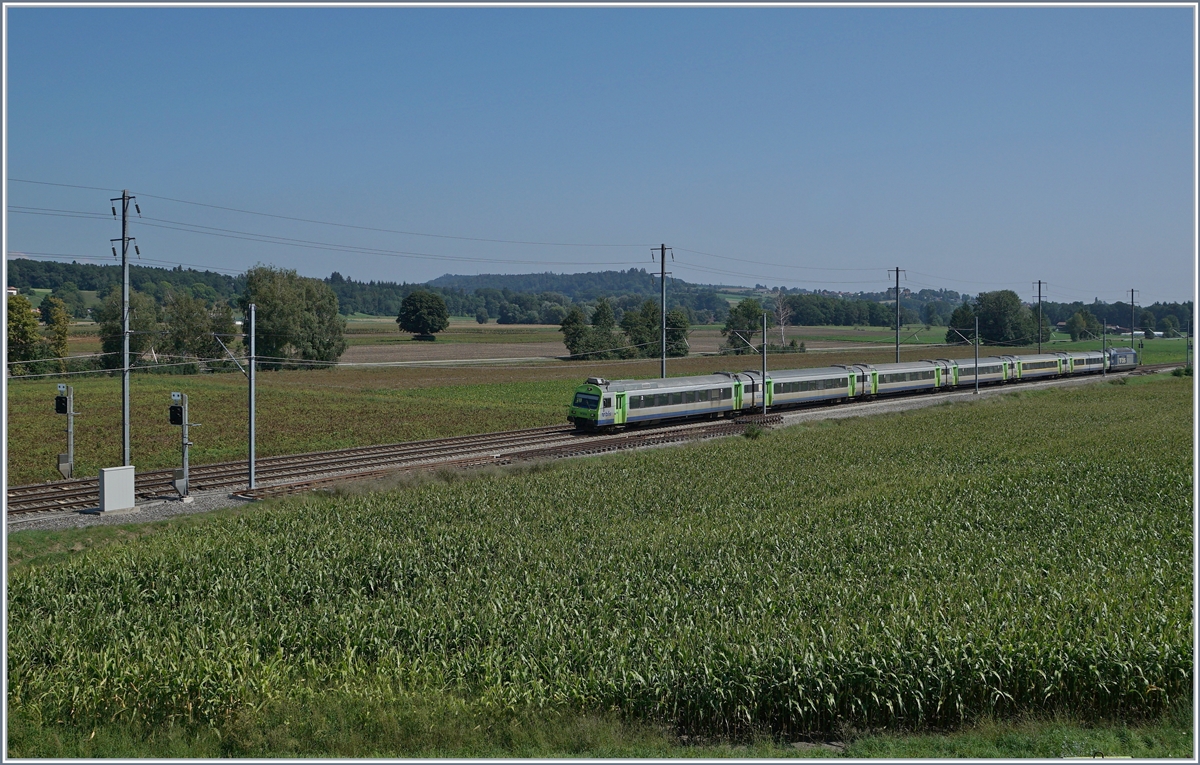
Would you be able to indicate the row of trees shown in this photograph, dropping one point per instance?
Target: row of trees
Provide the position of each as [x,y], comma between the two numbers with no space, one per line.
[639,335]
[1003,319]
[297,320]
[1083,325]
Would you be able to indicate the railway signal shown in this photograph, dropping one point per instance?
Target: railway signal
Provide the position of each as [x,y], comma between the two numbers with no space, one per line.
[179,416]
[64,403]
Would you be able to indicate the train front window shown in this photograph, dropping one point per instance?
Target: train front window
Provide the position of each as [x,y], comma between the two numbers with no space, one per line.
[586,401]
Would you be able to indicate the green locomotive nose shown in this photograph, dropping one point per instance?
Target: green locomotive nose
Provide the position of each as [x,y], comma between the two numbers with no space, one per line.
[586,405]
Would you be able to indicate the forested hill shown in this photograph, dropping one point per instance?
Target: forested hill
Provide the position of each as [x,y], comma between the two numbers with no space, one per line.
[50,275]
[635,281]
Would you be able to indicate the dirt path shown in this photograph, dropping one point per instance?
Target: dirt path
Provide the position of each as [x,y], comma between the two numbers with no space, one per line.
[435,351]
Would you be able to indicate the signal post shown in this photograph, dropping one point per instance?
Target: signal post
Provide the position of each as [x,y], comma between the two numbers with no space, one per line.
[179,416]
[64,403]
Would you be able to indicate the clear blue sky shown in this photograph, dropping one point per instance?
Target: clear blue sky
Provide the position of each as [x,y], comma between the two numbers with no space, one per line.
[977,148]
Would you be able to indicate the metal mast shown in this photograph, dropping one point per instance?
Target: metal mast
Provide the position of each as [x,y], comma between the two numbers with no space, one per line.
[1039,324]
[764,360]
[125,199]
[897,270]
[252,365]
[662,251]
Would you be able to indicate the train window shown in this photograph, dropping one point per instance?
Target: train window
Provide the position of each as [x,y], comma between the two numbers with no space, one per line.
[635,402]
[727,393]
[689,397]
[661,399]
[676,398]
[607,403]
[586,401]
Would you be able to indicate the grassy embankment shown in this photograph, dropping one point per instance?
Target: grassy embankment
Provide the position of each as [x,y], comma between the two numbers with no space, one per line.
[1019,588]
[311,410]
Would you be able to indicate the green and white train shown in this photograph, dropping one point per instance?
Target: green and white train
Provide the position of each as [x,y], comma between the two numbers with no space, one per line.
[601,403]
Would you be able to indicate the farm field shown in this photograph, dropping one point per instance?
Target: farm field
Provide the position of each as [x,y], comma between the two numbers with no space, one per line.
[808,583]
[317,409]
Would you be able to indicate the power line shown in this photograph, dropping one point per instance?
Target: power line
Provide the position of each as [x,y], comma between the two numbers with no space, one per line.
[718,271]
[250,236]
[346,225]
[777,265]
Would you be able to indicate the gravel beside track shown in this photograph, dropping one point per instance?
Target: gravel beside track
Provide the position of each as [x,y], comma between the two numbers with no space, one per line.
[277,475]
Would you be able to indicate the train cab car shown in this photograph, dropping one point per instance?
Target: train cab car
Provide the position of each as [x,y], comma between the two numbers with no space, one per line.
[1039,365]
[800,386]
[584,410]
[601,403]
[1122,358]
[992,369]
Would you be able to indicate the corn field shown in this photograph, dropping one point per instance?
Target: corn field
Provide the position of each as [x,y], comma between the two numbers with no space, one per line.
[900,571]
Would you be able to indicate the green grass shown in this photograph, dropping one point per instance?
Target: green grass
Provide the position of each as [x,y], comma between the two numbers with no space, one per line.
[442,726]
[297,412]
[807,582]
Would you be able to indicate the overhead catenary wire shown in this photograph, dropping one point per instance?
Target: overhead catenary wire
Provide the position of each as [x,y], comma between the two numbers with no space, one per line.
[250,236]
[349,225]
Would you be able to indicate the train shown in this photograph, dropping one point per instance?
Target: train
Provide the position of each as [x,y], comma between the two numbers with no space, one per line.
[601,404]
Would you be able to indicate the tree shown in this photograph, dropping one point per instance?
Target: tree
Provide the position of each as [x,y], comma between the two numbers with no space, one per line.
[783,312]
[575,331]
[59,322]
[1146,320]
[481,316]
[603,317]
[1083,325]
[643,331]
[191,329]
[598,341]
[677,333]
[24,342]
[143,327]
[1169,326]
[72,299]
[961,325]
[297,318]
[423,314]
[744,320]
[1002,318]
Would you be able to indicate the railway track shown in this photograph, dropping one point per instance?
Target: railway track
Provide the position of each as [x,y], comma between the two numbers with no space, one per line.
[82,493]
[579,447]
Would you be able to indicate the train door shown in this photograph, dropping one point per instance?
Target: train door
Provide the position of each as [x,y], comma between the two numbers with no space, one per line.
[620,412]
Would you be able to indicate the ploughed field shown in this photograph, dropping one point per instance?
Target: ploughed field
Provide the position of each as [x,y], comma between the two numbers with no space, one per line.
[1025,554]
